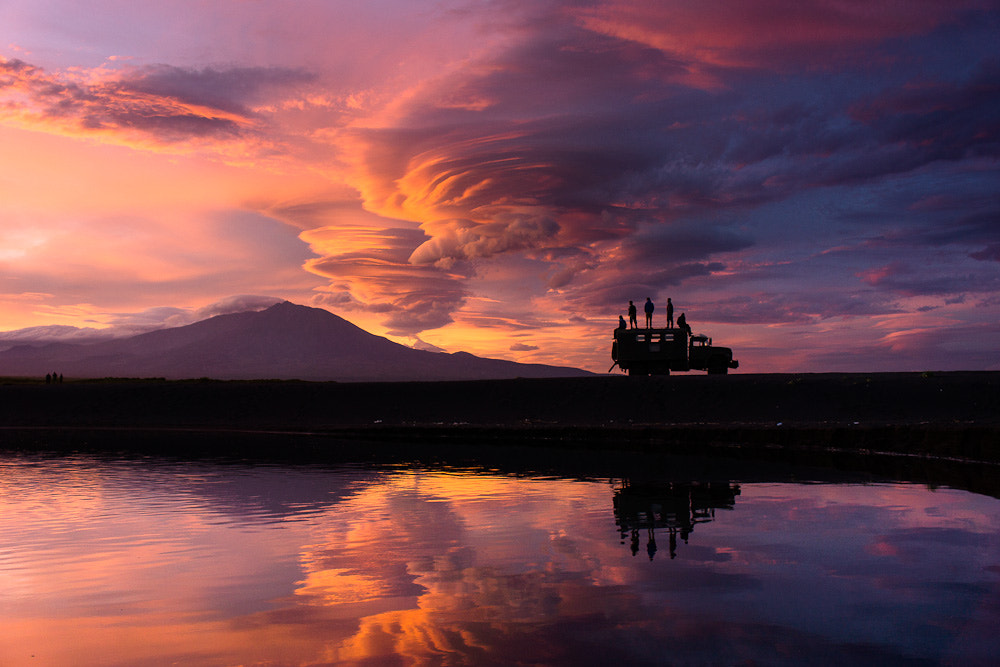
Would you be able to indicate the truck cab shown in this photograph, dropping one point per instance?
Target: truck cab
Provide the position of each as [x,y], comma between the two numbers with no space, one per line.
[659,351]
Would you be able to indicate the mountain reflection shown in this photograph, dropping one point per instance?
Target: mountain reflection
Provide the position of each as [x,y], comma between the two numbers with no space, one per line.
[674,507]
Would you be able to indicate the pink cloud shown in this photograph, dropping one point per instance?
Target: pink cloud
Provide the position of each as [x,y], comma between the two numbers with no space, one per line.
[767,32]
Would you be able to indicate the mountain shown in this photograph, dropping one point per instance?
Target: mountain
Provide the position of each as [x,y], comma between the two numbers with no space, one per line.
[285,341]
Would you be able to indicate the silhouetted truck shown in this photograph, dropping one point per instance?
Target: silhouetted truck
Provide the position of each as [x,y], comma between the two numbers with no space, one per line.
[659,351]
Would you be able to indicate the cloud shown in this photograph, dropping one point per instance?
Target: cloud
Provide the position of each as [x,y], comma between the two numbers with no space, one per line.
[522,347]
[234,90]
[427,347]
[160,104]
[915,348]
[131,324]
[906,280]
[515,165]
[767,33]
[55,333]
[368,270]
[681,243]
[799,307]
[462,239]
[940,119]
[128,324]
[989,253]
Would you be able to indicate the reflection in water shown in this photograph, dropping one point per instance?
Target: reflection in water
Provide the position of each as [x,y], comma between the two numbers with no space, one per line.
[675,507]
[114,562]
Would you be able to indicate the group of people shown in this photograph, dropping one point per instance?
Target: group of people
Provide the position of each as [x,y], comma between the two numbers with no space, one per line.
[53,378]
[648,308]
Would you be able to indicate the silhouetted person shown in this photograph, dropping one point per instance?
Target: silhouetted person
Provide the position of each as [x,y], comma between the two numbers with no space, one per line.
[60,378]
[621,322]
[635,541]
[48,378]
[649,312]
[651,545]
[682,323]
[670,315]
[631,315]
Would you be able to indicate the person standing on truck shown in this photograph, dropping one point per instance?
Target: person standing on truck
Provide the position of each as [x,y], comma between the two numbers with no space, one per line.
[670,314]
[649,313]
[631,316]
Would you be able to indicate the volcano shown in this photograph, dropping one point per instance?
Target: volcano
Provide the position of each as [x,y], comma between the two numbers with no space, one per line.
[286,341]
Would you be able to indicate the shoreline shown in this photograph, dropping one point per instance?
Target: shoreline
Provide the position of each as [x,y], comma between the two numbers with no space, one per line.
[563,452]
[946,415]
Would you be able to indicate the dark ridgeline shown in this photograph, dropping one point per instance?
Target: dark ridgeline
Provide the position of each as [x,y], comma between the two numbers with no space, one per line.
[286,341]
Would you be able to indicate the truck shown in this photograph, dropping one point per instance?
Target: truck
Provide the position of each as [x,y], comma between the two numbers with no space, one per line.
[659,351]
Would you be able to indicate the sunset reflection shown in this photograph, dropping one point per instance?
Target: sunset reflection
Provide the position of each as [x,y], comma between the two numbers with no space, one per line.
[125,563]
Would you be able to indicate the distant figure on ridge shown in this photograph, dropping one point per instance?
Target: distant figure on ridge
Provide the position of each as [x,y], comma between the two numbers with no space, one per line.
[682,323]
[48,378]
[649,313]
[631,315]
[670,314]
[621,322]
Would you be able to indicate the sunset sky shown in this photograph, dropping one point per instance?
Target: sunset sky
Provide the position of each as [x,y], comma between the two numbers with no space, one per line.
[815,184]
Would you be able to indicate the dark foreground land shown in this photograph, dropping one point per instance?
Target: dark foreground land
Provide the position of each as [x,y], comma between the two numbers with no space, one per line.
[942,415]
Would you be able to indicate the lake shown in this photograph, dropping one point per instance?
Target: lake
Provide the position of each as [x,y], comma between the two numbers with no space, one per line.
[396,560]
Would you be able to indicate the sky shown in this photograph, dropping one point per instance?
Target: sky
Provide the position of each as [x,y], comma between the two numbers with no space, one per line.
[814,184]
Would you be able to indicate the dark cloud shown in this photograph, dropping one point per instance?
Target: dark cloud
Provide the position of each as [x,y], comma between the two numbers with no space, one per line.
[796,307]
[907,280]
[958,347]
[234,90]
[614,287]
[989,253]
[682,243]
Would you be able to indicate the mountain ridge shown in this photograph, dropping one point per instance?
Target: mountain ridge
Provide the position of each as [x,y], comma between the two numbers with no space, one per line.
[284,341]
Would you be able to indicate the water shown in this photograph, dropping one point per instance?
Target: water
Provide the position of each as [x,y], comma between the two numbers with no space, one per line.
[123,561]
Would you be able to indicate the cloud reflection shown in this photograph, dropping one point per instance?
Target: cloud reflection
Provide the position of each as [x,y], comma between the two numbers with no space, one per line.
[234,563]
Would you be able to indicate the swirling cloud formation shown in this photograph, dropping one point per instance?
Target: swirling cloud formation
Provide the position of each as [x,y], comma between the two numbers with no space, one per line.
[504,177]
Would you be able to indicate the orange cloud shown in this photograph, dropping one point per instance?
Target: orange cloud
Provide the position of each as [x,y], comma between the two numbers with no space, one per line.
[369,270]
